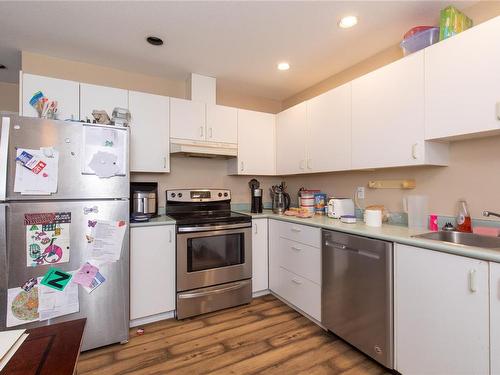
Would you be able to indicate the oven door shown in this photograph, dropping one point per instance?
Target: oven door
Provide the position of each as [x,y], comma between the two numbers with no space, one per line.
[215,255]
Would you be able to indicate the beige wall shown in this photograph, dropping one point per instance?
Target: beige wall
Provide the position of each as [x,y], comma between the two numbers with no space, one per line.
[473,174]
[9,97]
[101,75]
[189,172]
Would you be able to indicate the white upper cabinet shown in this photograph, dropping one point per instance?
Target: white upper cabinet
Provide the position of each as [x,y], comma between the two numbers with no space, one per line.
[388,118]
[462,83]
[187,119]
[388,114]
[495,317]
[93,97]
[66,93]
[256,144]
[329,131]
[222,124]
[291,131]
[441,313]
[149,132]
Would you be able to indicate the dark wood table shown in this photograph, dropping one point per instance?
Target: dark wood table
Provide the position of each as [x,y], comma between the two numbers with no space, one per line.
[48,350]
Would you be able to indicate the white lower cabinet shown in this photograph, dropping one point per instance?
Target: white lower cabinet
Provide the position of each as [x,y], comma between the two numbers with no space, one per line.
[295,265]
[495,318]
[441,313]
[259,255]
[152,270]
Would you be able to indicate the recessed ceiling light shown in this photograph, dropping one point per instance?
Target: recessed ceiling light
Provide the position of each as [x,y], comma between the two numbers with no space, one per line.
[154,40]
[2,66]
[283,66]
[348,21]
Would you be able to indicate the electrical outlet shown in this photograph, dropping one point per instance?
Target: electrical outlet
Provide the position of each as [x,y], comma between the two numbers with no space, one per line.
[360,192]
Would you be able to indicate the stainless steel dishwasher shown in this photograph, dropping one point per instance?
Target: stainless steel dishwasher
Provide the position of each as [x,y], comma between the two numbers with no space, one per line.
[356,296]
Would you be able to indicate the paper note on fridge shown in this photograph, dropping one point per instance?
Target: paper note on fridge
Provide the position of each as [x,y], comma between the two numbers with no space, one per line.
[36,171]
[47,238]
[53,303]
[104,151]
[105,240]
[22,306]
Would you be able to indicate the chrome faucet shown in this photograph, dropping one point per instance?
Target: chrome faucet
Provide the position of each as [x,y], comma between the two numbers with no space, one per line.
[489,213]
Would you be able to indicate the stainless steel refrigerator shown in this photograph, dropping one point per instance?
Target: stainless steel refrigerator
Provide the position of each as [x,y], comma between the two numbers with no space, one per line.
[83,194]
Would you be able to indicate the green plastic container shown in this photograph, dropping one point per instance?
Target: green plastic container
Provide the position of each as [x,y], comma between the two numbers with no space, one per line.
[452,21]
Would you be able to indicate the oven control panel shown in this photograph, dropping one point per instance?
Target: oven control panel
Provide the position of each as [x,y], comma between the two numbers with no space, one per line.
[198,195]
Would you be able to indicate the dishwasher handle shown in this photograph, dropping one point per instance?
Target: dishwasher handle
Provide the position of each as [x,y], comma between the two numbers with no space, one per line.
[340,246]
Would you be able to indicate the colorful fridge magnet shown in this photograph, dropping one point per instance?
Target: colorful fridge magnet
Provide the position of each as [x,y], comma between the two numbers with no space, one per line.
[47,238]
[97,281]
[28,285]
[56,279]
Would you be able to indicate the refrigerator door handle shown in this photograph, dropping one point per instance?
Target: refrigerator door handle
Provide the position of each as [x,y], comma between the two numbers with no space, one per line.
[4,269]
[4,149]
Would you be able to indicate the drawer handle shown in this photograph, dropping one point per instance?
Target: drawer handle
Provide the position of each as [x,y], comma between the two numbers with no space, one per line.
[472,281]
[296,230]
[297,282]
[295,248]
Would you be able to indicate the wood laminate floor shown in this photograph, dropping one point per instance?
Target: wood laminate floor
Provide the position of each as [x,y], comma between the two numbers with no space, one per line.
[265,337]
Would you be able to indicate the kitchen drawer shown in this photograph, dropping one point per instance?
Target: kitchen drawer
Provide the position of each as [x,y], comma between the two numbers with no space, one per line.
[298,258]
[297,290]
[296,232]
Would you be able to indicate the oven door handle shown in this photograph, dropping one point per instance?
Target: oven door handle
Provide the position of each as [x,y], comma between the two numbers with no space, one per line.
[213,227]
[211,292]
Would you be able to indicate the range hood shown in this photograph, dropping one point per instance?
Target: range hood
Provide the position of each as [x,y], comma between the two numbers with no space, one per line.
[203,149]
[202,89]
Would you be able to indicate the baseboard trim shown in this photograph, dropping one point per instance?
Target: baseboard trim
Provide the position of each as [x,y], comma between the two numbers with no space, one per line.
[152,318]
[261,293]
[298,310]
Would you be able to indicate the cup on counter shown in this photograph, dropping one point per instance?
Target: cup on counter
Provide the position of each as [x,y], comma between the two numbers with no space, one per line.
[373,218]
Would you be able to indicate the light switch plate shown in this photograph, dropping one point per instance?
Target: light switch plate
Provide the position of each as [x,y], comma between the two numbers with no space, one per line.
[360,191]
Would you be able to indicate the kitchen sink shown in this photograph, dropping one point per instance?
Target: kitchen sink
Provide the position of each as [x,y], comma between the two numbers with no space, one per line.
[460,238]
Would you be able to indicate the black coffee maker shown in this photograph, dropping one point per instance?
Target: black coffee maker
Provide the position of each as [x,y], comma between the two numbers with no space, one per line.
[256,196]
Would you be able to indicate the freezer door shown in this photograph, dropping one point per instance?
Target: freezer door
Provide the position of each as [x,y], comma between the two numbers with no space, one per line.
[107,307]
[68,139]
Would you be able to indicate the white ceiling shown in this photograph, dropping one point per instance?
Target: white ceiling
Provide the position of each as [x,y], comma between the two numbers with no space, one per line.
[240,43]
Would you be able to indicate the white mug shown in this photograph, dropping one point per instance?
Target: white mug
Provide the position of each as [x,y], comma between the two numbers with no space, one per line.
[373,218]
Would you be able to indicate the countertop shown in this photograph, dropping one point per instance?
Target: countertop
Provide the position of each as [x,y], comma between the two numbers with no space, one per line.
[159,220]
[392,233]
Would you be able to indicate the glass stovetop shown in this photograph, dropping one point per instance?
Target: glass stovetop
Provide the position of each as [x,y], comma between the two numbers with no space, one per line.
[203,217]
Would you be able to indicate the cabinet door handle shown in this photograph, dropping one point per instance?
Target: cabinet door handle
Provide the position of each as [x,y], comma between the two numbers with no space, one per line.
[255,226]
[201,131]
[295,281]
[170,236]
[296,230]
[309,164]
[414,151]
[209,132]
[242,166]
[472,281]
[164,162]
[296,248]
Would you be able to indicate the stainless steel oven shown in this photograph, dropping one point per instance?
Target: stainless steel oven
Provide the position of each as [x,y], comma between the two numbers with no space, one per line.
[213,255]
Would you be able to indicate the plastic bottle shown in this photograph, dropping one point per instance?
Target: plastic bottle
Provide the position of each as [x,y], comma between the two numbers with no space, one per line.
[464,223]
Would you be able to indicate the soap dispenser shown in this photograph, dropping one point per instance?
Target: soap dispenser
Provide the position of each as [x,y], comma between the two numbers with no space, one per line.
[464,223]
